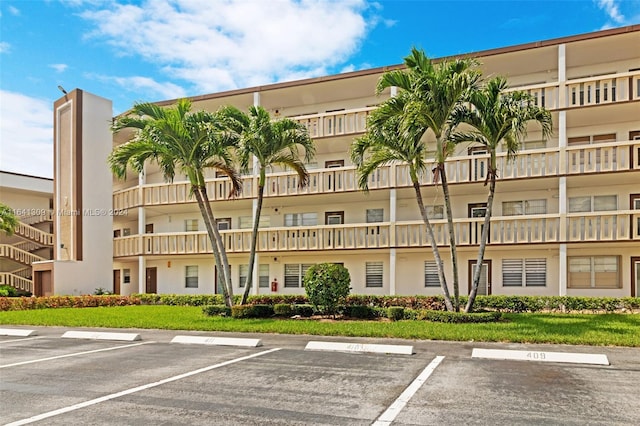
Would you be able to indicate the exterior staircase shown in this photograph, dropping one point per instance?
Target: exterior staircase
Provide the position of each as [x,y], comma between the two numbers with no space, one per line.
[21,254]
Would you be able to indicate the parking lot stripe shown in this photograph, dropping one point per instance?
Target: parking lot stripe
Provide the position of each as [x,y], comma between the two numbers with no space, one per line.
[134,390]
[73,354]
[394,409]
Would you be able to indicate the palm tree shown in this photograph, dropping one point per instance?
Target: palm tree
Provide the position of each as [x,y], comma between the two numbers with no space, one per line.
[497,118]
[270,143]
[386,142]
[430,94]
[189,142]
[8,220]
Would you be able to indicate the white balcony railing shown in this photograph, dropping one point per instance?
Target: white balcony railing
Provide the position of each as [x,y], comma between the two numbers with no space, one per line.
[601,226]
[597,158]
[337,123]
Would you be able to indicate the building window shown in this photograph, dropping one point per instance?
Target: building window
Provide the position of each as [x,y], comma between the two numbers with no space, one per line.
[243,272]
[263,275]
[524,272]
[435,212]
[223,223]
[594,272]
[117,233]
[126,274]
[191,225]
[525,207]
[246,222]
[375,215]
[293,274]
[126,232]
[533,144]
[301,219]
[373,274]
[596,203]
[591,139]
[431,278]
[191,276]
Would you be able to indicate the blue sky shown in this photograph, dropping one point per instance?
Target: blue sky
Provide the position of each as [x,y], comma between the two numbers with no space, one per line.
[130,51]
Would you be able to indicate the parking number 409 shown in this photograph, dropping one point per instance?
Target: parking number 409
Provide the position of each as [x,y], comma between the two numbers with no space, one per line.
[536,355]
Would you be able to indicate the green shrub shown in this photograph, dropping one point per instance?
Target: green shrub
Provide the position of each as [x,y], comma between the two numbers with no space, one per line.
[395,313]
[459,317]
[252,311]
[8,291]
[283,309]
[327,286]
[216,310]
[360,311]
[304,311]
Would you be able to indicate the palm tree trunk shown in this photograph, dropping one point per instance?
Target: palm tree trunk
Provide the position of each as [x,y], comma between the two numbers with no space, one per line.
[434,247]
[452,238]
[254,243]
[483,243]
[209,223]
[226,271]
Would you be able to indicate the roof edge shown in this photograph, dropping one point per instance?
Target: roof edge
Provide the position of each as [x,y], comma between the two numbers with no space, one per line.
[481,53]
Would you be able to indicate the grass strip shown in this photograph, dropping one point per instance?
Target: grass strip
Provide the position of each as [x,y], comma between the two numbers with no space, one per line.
[574,329]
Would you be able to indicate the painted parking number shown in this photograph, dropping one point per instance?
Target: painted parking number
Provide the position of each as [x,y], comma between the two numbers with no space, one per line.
[536,355]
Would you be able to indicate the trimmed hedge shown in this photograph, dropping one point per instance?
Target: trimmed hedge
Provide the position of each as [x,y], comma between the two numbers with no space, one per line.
[359,311]
[216,310]
[395,313]
[26,303]
[458,317]
[303,310]
[252,311]
[513,304]
[283,309]
[180,299]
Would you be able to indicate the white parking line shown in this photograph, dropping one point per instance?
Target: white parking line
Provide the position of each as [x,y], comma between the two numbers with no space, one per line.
[134,390]
[73,354]
[394,409]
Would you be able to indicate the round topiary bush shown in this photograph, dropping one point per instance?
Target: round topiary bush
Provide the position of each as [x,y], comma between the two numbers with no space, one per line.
[327,286]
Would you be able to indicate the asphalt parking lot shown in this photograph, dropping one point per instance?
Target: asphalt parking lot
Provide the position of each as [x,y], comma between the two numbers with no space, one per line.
[50,380]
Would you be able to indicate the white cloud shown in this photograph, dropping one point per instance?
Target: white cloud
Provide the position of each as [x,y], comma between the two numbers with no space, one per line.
[612,9]
[4,47]
[14,10]
[59,67]
[26,133]
[145,85]
[218,45]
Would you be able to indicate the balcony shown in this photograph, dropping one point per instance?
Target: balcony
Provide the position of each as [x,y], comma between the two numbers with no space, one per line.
[580,92]
[336,123]
[597,158]
[331,237]
[538,229]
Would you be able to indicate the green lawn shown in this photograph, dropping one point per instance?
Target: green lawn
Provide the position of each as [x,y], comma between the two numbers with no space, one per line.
[584,329]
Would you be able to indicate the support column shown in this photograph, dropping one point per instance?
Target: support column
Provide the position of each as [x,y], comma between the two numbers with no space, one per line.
[562,170]
[254,210]
[142,261]
[142,274]
[392,241]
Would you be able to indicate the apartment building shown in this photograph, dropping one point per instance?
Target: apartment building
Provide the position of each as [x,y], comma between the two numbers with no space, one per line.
[566,215]
[31,199]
